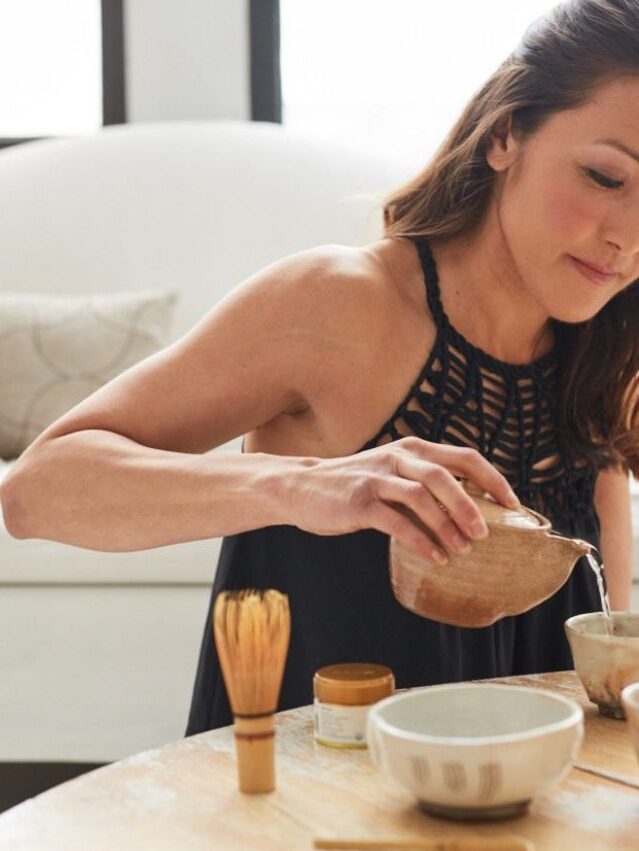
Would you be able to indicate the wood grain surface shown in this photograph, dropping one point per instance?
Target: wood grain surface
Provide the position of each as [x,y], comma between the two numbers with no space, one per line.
[184,797]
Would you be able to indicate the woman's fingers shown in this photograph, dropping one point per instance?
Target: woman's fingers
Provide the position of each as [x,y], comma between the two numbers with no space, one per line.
[415,495]
[406,489]
[393,522]
[466,462]
[435,484]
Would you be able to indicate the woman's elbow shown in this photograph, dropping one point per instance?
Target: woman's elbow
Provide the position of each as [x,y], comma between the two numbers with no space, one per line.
[11,504]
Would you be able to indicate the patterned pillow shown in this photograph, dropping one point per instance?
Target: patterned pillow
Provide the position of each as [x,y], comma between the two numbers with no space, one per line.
[57,350]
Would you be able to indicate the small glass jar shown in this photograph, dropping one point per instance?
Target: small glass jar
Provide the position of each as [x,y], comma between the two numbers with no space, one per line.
[343,695]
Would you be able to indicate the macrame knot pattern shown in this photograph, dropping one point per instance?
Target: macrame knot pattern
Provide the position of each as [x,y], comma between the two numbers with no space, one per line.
[465,397]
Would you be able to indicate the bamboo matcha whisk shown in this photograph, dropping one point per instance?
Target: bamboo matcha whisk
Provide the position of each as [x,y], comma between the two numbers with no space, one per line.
[252,630]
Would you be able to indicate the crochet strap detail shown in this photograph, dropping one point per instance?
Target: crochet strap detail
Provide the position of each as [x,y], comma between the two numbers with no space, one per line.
[465,397]
[438,313]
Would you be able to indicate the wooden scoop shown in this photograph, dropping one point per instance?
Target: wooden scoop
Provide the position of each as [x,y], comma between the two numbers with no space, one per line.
[480,843]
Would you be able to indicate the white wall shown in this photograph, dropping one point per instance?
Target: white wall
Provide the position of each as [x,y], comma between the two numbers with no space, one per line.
[187,59]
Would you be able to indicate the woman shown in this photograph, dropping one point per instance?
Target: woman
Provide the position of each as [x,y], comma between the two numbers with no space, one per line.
[474,339]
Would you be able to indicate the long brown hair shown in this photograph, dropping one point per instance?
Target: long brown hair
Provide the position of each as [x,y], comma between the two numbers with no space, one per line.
[562,58]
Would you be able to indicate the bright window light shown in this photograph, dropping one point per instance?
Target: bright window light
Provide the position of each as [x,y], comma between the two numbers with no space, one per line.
[391,76]
[50,67]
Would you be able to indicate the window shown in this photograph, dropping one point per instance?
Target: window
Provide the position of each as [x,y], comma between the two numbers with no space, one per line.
[61,67]
[391,77]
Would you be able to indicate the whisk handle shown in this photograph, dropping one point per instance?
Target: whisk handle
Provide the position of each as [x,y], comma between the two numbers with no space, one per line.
[255,749]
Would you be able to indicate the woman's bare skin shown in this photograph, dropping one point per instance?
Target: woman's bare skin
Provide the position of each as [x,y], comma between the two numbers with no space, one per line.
[308,358]
[365,376]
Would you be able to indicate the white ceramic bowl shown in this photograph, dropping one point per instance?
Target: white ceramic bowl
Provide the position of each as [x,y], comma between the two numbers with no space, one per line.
[473,750]
[604,663]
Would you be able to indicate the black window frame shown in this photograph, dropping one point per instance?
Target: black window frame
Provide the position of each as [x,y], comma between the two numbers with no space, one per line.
[266,82]
[113,71]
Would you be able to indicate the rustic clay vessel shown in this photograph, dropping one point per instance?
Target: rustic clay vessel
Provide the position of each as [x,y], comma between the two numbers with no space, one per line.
[604,663]
[518,565]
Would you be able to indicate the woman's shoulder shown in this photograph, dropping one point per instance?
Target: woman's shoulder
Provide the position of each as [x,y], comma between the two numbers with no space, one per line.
[328,299]
[391,263]
[354,302]
[380,280]
[363,332]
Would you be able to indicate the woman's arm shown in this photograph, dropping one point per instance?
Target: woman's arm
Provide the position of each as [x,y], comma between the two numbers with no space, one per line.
[612,501]
[131,466]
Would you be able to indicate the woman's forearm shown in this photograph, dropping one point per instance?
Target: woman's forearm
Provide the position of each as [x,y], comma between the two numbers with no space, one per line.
[620,592]
[102,491]
[618,568]
[612,500]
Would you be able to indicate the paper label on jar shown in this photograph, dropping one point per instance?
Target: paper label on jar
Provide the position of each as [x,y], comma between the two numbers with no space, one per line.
[340,725]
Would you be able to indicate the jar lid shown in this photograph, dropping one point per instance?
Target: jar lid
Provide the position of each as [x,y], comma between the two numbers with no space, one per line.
[353,683]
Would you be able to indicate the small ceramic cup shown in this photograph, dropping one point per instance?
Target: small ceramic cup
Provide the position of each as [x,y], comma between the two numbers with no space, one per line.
[630,703]
[475,750]
[604,663]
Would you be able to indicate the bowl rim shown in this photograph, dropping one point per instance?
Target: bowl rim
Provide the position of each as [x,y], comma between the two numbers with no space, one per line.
[575,717]
[543,523]
[569,625]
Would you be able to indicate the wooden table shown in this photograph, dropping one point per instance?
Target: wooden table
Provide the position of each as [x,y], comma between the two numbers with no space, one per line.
[183,797]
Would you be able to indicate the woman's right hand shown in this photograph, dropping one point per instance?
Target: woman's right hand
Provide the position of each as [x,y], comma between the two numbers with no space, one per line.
[372,490]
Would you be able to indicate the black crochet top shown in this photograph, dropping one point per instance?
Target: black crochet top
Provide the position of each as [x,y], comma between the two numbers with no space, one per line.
[466,397]
[342,605]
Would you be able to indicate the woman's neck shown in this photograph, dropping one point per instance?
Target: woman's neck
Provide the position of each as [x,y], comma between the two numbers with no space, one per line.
[486,300]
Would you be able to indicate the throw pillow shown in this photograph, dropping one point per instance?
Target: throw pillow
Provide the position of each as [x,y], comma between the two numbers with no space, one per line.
[57,350]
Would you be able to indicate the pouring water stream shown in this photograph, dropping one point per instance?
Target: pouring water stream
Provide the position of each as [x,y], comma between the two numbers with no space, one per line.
[596,563]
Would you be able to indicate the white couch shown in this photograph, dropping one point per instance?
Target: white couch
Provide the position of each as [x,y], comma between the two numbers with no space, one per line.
[98,650]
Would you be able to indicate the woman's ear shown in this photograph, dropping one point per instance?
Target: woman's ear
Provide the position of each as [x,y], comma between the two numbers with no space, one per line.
[502,148]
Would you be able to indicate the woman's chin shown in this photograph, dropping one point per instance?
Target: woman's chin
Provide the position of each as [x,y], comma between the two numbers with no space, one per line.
[573,314]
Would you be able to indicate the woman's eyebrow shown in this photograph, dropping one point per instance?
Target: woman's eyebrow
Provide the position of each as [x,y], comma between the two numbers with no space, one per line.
[615,143]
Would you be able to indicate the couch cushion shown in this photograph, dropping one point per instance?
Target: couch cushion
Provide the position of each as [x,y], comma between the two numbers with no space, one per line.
[57,350]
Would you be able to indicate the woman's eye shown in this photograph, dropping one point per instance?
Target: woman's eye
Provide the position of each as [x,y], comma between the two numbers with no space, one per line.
[602,180]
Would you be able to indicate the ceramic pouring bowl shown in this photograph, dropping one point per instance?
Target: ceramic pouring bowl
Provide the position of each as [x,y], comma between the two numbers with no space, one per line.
[630,703]
[604,663]
[473,750]
[520,564]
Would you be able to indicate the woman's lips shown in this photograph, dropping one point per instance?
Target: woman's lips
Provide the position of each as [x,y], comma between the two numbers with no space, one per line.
[592,274]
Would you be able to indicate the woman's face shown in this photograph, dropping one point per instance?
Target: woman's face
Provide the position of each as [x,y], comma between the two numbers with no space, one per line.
[571,192]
